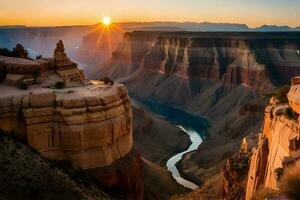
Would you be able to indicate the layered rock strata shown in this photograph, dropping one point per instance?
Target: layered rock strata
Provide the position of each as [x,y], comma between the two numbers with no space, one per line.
[87,123]
[89,126]
[18,70]
[237,58]
[278,146]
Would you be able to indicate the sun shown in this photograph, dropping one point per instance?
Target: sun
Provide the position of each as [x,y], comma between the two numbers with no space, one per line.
[106,21]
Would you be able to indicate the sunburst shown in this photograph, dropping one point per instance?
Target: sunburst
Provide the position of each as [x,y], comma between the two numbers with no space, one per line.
[106,21]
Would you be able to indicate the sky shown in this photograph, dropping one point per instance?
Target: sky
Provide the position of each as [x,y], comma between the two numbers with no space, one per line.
[80,12]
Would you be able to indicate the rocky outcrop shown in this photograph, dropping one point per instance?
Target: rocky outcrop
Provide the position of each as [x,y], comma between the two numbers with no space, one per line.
[89,126]
[86,123]
[235,172]
[278,147]
[18,70]
[20,51]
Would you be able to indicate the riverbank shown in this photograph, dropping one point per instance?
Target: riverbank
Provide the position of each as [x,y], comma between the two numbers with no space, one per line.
[157,140]
[192,126]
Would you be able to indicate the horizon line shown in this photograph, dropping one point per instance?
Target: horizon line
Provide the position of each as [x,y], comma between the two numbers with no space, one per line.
[124,22]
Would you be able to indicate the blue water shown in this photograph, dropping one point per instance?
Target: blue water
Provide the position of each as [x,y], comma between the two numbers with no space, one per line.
[192,125]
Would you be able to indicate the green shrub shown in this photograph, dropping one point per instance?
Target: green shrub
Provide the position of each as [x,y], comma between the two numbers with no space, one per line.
[2,75]
[281,93]
[290,182]
[107,81]
[36,74]
[290,113]
[22,86]
[264,193]
[59,85]
[5,52]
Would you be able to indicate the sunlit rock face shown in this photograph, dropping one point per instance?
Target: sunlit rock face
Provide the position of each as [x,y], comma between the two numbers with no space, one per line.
[89,126]
[279,145]
[30,72]
[236,58]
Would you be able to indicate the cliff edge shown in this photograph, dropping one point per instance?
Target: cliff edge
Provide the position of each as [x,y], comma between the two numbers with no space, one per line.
[51,106]
[278,148]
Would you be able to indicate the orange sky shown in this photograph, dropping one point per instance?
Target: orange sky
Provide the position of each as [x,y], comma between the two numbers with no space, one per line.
[75,12]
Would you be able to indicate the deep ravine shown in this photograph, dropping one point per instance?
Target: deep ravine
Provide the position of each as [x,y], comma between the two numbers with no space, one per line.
[192,125]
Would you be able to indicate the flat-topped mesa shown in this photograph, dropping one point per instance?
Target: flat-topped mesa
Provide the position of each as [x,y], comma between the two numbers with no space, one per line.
[89,125]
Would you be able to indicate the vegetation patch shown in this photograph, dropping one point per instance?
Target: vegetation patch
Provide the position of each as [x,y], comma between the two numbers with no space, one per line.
[265,193]
[289,113]
[107,81]
[59,85]
[290,182]
[280,94]
[18,52]
[22,86]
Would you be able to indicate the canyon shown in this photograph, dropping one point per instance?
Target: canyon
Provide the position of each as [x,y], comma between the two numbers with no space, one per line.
[223,76]
[223,79]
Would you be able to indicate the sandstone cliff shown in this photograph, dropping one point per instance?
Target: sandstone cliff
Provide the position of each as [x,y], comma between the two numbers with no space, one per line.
[238,58]
[278,147]
[85,122]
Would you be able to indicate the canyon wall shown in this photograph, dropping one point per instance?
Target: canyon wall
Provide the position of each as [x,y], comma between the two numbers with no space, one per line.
[237,58]
[279,145]
[65,117]
[91,127]
[221,76]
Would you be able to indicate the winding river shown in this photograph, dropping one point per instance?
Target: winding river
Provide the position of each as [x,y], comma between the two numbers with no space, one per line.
[194,126]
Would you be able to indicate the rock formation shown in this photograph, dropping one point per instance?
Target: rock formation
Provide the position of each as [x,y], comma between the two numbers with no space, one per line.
[86,123]
[18,70]
[20,51]
[279,145]
[235,172]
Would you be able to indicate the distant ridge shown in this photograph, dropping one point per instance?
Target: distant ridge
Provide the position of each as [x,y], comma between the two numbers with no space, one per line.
[13,26]
[276,28]
[180,26]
